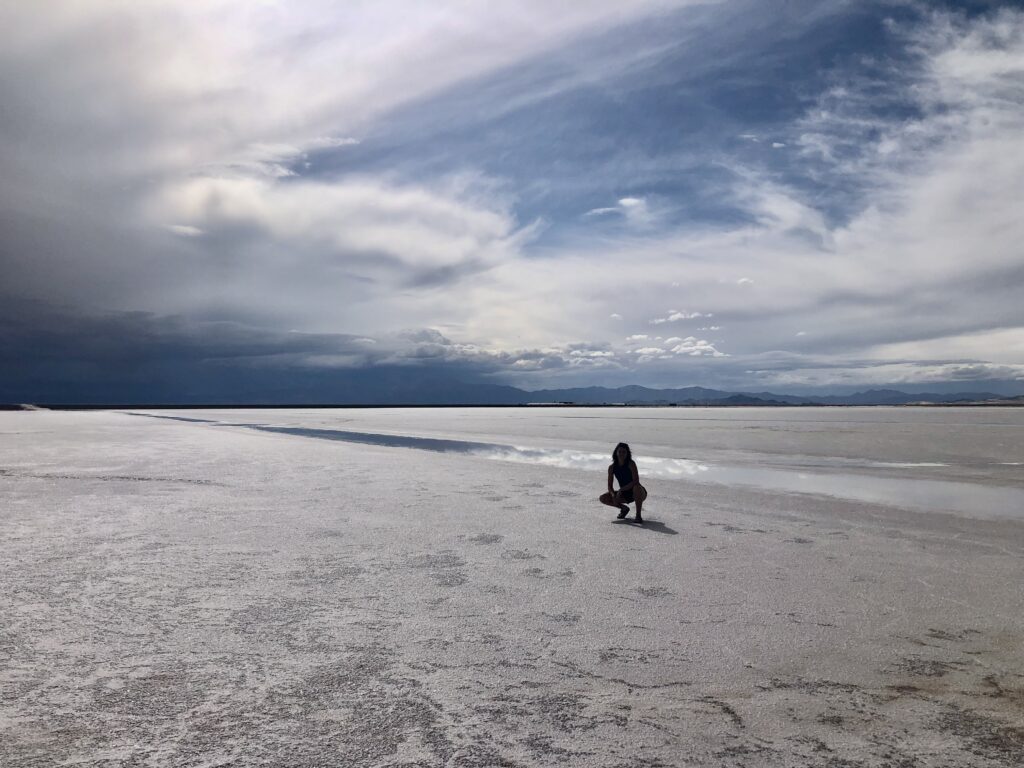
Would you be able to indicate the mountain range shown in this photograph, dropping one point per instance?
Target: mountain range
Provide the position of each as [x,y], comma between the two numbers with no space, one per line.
[397,387]
[636,395]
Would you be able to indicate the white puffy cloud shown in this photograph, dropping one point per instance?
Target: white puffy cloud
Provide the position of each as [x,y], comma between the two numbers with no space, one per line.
[696,348]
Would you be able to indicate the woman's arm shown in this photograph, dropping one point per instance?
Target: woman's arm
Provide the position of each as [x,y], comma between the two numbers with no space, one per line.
[610,476]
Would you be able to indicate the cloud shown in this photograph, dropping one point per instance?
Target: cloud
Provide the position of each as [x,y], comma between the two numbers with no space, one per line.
[332,142]
[690,346]
[145,103]
[206,168]
[675,316]
[410,227]
[425,335]
[634,210]
[185,230]
[911,374]
[696,348]
[1000,346]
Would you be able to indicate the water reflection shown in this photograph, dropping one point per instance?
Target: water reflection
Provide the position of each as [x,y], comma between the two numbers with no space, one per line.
[552,457]
[973,499]
[927,494]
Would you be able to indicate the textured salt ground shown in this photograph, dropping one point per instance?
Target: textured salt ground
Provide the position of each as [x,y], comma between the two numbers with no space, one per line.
[181,594]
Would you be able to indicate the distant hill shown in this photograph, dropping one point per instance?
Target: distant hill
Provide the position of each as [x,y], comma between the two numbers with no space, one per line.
[631,395]
[897,397]
[636,395]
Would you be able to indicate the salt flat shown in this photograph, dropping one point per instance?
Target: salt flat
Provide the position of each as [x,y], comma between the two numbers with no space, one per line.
[191,593]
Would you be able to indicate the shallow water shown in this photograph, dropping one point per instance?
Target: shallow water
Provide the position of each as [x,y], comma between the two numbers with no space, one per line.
[967,480]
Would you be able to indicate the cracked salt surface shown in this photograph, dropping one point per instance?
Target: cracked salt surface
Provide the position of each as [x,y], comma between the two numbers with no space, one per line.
[177,594]
[973,499]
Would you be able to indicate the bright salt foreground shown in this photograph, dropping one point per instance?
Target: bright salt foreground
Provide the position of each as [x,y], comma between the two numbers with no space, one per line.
[195,594]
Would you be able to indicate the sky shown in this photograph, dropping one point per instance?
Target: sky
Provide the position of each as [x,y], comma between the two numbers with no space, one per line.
[794,196]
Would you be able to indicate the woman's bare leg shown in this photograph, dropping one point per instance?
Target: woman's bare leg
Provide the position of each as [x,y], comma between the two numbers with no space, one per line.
[611,499]
[638,496]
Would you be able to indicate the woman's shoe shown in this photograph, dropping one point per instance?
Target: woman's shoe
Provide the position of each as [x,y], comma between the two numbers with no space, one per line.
[639,519]
[624,511]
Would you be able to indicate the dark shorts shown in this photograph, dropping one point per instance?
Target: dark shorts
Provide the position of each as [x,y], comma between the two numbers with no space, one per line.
[626,496]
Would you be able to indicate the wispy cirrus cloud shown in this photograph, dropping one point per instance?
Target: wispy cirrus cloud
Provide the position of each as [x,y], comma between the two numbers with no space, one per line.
[635,211]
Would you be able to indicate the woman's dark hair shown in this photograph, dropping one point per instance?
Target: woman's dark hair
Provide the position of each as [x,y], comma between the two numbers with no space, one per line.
[629,453]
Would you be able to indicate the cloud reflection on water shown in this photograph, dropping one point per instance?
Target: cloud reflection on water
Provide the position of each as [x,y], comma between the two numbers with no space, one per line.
[651,466]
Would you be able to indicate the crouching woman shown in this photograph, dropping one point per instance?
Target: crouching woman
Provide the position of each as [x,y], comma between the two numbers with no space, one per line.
[623,469]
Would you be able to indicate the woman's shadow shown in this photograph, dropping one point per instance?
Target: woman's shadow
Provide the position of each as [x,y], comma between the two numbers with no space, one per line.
[647,524]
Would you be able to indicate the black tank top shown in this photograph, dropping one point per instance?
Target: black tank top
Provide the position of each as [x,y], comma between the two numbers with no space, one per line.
[624,474]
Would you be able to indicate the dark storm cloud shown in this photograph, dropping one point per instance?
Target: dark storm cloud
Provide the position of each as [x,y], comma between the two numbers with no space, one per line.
[33,331]
[59,355]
